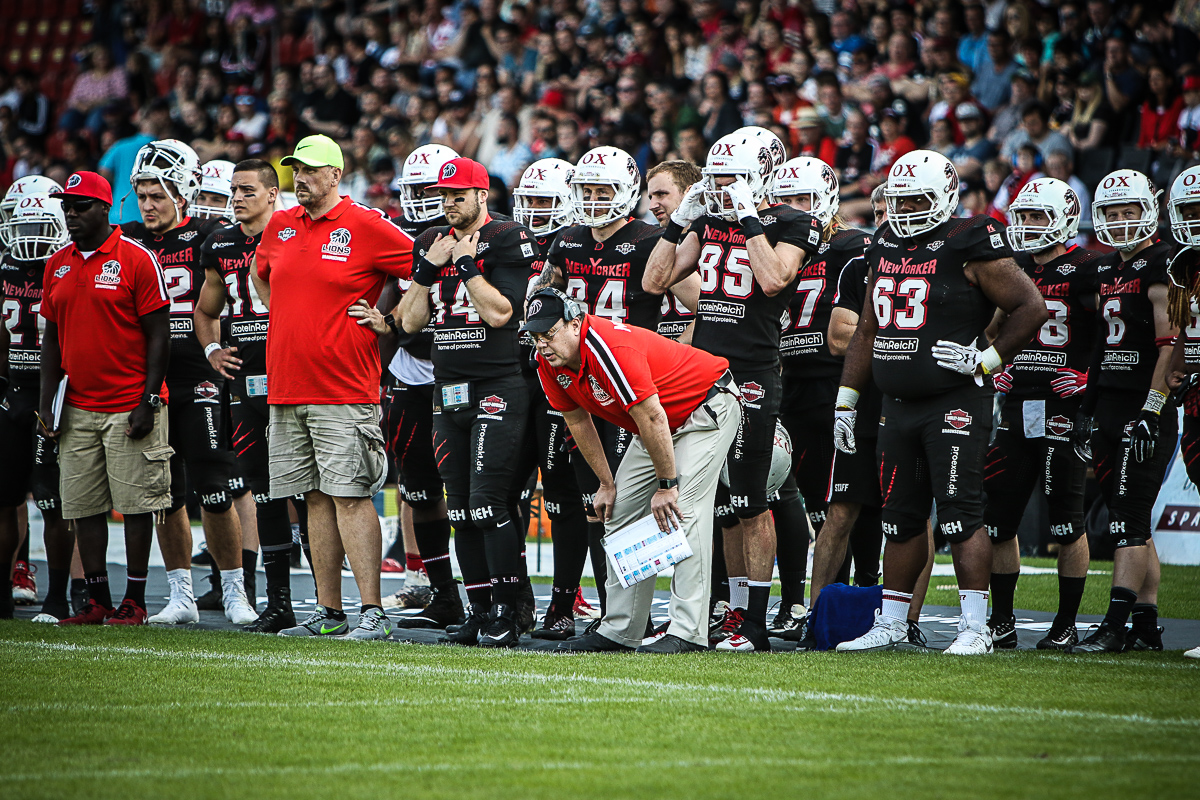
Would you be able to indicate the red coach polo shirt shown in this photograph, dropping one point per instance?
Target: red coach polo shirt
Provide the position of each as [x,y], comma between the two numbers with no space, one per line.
[96,303]
[622,366]
[317,269]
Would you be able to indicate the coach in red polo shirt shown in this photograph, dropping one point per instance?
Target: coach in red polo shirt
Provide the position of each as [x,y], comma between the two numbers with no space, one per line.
[105,305]
[683,405]
[315,262]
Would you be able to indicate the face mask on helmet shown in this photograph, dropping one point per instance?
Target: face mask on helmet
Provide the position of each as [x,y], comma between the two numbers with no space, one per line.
[419,173]
[1128,197]
[921,174]
[543,201]
[1184,208]
[1054,199]
[169,161]
[809,177]
[34,232]
[29,186]
[215,199]
[738,155]
[613,169]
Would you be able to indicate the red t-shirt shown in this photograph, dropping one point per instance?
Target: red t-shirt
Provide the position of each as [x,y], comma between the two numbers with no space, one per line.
[622,366]
[318,268]
[96,304]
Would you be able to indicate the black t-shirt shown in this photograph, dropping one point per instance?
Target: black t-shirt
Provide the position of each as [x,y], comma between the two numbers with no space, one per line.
[802,346]
[735,318]
[1068,284]
[851,295]
[606,277]
[921,294]
[229,252]
[21,293]
[1127,334]
[464,346]
[178,252]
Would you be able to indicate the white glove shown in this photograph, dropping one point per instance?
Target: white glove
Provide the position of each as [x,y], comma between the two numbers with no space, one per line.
[743,199]
[964,358]
[691,208]
[843,430]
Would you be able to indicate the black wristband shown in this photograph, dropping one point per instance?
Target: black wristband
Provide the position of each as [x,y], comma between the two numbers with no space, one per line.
[668,483]
[674,232]
[751,226]
[467,267]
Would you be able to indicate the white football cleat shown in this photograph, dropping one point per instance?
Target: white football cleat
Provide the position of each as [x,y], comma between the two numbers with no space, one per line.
[181,607]
[972,640]
[50,619]
[237,608]
[1193,653]
[885,634]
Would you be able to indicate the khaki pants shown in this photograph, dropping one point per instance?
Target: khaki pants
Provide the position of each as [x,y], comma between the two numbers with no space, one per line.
[700,449]
[337,449]
[101,469]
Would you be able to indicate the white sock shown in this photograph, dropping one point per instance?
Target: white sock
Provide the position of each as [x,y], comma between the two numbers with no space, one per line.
[180,581]
[974,605]
[739,592]
[233,577]
[895,604]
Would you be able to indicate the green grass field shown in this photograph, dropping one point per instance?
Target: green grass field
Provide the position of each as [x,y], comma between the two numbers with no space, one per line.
[100,713]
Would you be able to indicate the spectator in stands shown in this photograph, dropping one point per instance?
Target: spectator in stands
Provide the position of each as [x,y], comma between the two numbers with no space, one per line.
[719,113]
[251,121]
[1104,27]
[1160,112]
[1027,166]
[993,76]
[1189,119]
[154,120]
[970,156]
[809,138]
[512,155]
[1123,83]
[941,137]
[1093,122]
[1035,129]
[893,145]
[330,110]
[1058,165]
[973,44]
[99,85]
[1167,42]
[1006,120]
[31,108]
[831,107]
[853,160]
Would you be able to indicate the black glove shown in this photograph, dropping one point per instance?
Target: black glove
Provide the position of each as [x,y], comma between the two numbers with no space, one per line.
[1081,437]
[1144,436]
[424,271]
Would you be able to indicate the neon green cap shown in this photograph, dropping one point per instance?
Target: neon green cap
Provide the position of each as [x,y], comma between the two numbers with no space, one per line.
[316,151]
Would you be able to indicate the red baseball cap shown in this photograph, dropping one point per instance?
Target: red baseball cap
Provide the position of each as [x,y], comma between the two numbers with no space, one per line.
[1191,83]
[462,173]
[86,184]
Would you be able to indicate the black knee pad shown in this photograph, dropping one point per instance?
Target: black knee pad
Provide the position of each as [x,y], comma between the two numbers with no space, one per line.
[1002,533]
[902,529]
[422,499]
[488,512]
[457,512]
[1120,533]
[1067,528]
[214,499]
[954,527]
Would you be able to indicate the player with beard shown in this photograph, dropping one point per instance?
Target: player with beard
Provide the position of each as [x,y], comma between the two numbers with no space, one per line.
[1042,391]
[166,179]
[33,227]
[227,256]
[666,183]
[810,374]
[748,255]
[599,263]
[1131,438]
[935,284]
[469,280]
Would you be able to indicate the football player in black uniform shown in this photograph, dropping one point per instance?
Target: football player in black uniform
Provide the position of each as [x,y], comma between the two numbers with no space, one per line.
[1132,440]
[166,179]
[935,283]
[227,256]
[470,279]
[666,183]
[599,263]
[1043,389]
[32,228]
[748,256]
[811,371]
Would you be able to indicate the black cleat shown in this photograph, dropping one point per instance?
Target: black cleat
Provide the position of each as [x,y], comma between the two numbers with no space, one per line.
[808,642]
[1144,639]
[525,608]
[444,610]
[789,624]
[592,626]
[1004,632]
[1104,639]
[273,619]
[1064,640]
[670,644]
[501,630]
[211,600]
[593,643]
[468,633]
[79,598]
[916,636]
[556,627]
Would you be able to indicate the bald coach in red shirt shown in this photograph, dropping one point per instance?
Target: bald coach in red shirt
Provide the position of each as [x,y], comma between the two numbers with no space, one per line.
[684,407]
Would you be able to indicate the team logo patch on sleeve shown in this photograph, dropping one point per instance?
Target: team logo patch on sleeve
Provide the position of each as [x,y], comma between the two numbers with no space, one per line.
[564,380]
[997,242]
[527,249]
[286,234]
[493,404]
[958,419]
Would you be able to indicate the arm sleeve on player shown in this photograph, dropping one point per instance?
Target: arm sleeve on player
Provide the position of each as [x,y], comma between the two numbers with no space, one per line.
[557,396]
[150,290]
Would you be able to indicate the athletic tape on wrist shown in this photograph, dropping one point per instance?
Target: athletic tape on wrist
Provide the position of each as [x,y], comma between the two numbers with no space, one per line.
[846,397]
[208,351]
[991,361]
[1155,402]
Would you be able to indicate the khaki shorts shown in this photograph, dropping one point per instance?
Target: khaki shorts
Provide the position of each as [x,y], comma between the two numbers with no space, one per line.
[102,469]
[336,449]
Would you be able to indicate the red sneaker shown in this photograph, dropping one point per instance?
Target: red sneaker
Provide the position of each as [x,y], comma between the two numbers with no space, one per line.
[24,587]
[128,613]
[582,608]
[391,565]
[91,614]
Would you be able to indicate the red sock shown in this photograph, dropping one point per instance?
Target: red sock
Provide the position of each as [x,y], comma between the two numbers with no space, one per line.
[413,562]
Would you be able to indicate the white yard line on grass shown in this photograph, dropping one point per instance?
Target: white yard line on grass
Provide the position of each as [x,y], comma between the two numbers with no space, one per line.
[661,689]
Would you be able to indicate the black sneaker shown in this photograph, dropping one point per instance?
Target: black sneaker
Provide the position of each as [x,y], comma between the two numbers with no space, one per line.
[79,599]
[1064,640]
[556,627]
[789,624]
[1104,639]
[1004,632]
[525,607]
[273,619]
[916,636]
[593,643]
[444,610]
[808,642]
[501,630]
[592,627]
[1144,639]
[468,633]
[670,644]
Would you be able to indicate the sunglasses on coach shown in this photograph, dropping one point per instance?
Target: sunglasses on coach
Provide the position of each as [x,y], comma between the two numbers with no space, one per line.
[80,206]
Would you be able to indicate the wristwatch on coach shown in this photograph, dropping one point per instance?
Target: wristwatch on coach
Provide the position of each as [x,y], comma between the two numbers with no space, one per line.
[154,400]
[668,483]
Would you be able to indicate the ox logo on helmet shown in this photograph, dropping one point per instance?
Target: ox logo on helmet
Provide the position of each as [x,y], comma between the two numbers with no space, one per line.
[74,181]
[421,157]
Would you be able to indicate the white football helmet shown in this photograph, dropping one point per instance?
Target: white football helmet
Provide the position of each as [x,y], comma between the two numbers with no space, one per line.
[1185,191]
[921,173]
[743,154]
[35,228]
[781,461]
[421,170]
[216,178]
[810,176]
[549,177]
[29,185]
[1058,202]
[1125,186]
[169,161]
[613,167]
